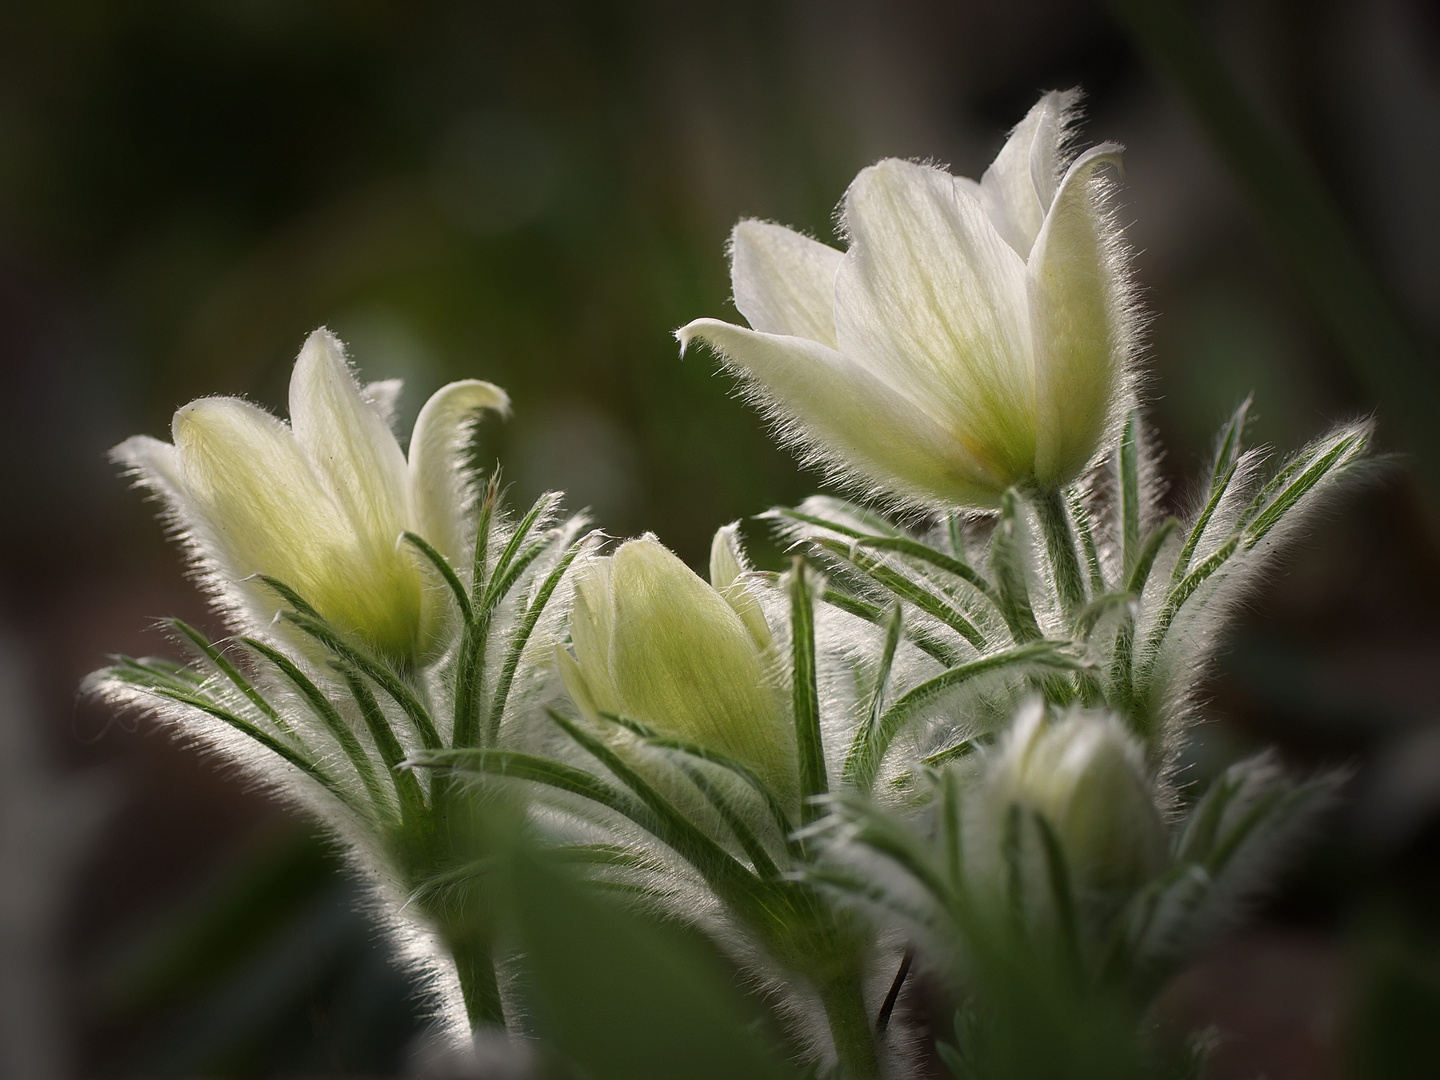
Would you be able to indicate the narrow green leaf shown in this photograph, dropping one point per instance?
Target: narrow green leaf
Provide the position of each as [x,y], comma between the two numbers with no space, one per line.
[1217,492]
[412,800]
[1043,654]
[726,875]
[963,748]
[872,613]
[1140,572]
[925,553]
[478,567]
[239,681]
[1294,492]
[1129,492]
[754,850]
[446,571]
[1086,532]
[542,506]
[376,670]
[865,731]
[521,637]
[906,589]
[804,692]
[538,770]
[333,722]
[712,757]
[1007,564]
[264,738]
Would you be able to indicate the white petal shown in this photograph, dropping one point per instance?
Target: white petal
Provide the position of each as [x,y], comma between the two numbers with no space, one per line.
[1080,311]
[1020,183]
[784,283]
[347,442]
[383,396]
[933,300]
[727,564]
[855,419]
[441,433]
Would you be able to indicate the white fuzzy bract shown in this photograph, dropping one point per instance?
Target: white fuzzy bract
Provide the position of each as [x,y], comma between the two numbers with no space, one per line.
[974,336]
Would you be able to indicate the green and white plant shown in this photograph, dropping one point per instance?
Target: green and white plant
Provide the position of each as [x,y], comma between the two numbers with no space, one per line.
[944,739]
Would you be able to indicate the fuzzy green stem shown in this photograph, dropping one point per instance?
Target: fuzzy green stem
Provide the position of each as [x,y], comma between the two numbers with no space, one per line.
[850,1026]
[1060,547]
[476,969]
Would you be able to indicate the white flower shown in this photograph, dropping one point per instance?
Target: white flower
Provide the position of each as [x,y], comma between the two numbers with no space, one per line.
[320,503]
[655,643]
[974,336]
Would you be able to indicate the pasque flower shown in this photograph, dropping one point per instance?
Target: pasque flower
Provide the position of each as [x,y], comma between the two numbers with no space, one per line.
[655,643]
[1086,776]
[973,337]
[320,503]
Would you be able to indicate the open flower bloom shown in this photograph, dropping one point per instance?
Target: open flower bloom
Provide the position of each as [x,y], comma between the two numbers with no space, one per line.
[320,503]
[655,643]
[975,336]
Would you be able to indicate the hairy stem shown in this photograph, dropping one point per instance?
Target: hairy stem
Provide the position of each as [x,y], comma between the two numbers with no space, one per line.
[1060,547]
[476,969]
[850,1026]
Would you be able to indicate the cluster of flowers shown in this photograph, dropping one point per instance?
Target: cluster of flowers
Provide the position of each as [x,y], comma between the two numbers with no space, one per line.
[946,737]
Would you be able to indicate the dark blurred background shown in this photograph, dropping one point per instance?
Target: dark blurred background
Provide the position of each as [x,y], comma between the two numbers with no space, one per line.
[537,194]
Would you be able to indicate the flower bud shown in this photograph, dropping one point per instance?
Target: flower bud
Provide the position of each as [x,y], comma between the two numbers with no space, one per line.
[320,503]
[974,336]
[655,643]
[1085,775]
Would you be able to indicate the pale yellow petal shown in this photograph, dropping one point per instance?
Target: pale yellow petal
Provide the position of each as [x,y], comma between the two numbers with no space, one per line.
[851,416]
[784,283]
[1079,308]
[685,663]
[931,298]
[437,448]
[351,448]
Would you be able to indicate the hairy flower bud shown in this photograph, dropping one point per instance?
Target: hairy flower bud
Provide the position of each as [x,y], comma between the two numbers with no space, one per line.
[1086,777]
[320,503]
[655,643]
[974,337]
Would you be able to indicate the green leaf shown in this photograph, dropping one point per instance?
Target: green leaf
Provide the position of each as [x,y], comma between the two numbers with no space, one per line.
[378,672]
[240,682]
[804,693]
[872,613]
[1129,492]
[1043,654]
[412,800]
[712,757]
[1268,518]
[924,553]
[446,571]
[521,637]
[1140,572]
[1086,533]
[864,732]
[731,879]
[903,587]
[498,585]
[1008,564]
[333,722]
[537,770]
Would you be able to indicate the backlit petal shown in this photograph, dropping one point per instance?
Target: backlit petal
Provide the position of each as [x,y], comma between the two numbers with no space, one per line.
[437,445]
[1078,306]
[784,283]
[934,301]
